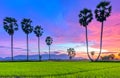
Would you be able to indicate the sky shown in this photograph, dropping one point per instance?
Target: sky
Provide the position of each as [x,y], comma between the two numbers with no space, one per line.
[59,19]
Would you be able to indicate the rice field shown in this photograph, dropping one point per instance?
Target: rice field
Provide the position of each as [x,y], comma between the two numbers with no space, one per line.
[51,69]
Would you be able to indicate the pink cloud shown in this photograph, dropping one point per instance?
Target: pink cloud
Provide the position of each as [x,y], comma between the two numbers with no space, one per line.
[111,35]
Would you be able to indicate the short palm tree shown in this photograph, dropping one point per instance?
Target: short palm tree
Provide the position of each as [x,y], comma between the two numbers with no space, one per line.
[27,29]
[10,26]
[49,41]
[102,11]
[71,53]
[92,53]
[38,30]
[85,17]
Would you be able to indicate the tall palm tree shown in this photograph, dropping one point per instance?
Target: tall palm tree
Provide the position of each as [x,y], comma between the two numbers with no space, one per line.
[27,29]
[102,11]
[71,53]
[85,17]
[49,41]
[38,30]
[10,26]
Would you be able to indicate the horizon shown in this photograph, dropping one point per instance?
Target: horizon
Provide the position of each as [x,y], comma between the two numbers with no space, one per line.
[56,17]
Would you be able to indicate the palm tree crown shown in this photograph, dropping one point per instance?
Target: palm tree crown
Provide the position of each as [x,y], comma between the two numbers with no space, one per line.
[49,40]
[92,53]
[85,17]
[10,25]
[71,52]
[38,31]
[26,26]
[103,11]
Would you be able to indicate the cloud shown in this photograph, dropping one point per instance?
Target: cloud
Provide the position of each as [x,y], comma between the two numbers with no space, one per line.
[56,52]
[74,33]
[63,25]
[109,52]
[111,34]
[16,48]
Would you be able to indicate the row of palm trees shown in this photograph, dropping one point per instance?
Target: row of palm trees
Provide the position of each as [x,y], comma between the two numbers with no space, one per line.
[102,11]
[10,26]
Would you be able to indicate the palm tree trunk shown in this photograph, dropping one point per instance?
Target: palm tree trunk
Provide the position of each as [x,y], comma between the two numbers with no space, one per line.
[87,44]
[39,48]
[49,52]
[27,49]
[100,42]
[70,58]
[12,47]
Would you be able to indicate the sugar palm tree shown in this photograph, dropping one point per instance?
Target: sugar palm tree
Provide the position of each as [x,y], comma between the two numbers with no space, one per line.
[92,53]
[27,29]
[10,26]
[102,11]
[85,17]
[38,30]
[49,41]
[71,53]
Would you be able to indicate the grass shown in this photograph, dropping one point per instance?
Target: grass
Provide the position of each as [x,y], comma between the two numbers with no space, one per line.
[60,69]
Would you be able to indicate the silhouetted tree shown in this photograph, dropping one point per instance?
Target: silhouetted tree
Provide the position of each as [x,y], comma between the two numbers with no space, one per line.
[105,58]
[85,17]
[102,11]
[71,53]
[108,57]
[49,41]
[112,56]
[10,26]
[38,30]
[27,29]
[92,53]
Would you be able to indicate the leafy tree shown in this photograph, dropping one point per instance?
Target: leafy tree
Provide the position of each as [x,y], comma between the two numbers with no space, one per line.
[105,58]
[10,26]
[27,29]
[102,11]
[112,56]
[71,53]
[38,30]
[85,17]
[49,41]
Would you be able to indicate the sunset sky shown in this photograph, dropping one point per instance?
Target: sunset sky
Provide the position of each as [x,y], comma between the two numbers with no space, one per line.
[59,19]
